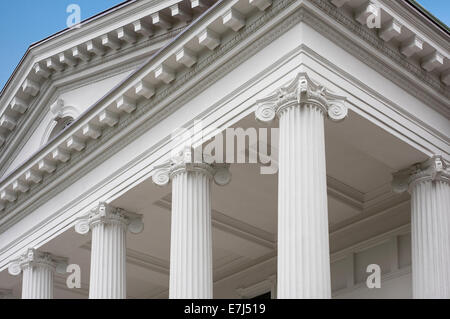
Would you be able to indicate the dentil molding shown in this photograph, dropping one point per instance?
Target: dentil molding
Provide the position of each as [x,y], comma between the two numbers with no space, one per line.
[298,16]
[302,91]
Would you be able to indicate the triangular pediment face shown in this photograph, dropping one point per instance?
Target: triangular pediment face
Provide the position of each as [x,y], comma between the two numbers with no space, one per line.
[63,108]
[61,77]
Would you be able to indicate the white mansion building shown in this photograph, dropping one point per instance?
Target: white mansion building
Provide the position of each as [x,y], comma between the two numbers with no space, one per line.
[100,175]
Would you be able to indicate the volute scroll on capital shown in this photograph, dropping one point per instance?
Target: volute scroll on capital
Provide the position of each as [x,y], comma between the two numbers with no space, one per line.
[185,161]
[33,257]
[302,91]
[433,169]
[108,214]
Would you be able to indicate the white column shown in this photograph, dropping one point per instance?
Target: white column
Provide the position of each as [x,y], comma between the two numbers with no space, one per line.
[429,185]
[191,269]
[37,269]
[303,248]
[108,250]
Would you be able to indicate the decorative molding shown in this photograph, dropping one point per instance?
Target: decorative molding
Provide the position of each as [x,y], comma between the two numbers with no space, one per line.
[33,257]
[66,61]
[186,76]
[260,288]
[379,96]
[240,34]
[366,56]
[372,39]
[186,160]
[301,91]
[433,169]
[40,109]
[107,214]
[290,21]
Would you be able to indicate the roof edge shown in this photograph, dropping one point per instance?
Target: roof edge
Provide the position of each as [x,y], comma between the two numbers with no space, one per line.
[428,15]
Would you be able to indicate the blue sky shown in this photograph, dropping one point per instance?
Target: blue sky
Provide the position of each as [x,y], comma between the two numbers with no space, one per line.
[23,22]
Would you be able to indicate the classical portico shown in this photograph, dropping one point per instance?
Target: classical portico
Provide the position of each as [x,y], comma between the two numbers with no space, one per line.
[229,149]
[429,186]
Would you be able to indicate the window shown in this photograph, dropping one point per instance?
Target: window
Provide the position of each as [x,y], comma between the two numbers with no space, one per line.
[60,126]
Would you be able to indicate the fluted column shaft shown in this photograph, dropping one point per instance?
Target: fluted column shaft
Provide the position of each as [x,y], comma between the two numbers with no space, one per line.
[109,227]
[430,227]
[191,241]
[191,267]
[429,185]
[303,248]
[37,282]
[108,261]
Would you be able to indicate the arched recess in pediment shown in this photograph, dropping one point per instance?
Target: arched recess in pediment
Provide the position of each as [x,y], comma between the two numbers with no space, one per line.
[62,116]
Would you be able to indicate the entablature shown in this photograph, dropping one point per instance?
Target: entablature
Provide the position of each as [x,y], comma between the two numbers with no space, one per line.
[226,24]
[128,27]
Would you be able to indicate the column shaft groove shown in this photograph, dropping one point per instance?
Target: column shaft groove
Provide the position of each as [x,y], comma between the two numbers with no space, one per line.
[191,239]
[430,223]
[303,247]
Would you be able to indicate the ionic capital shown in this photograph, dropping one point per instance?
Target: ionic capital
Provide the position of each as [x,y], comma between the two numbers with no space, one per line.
[184,162]
[302,91]
[36,258]
[433,169]
[107,214]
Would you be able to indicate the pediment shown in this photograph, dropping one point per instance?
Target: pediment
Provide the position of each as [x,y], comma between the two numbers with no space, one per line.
[79,66]
[195,53]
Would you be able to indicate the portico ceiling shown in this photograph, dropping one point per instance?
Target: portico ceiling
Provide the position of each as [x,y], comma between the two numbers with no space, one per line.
[245,213]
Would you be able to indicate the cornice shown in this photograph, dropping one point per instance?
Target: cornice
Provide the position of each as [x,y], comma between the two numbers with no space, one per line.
[147,113]
[431,31]
[125,120]
[402,82]
[56,63]
[147,46]
[439,102]
[372,39]
[37,67]
[33,119]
